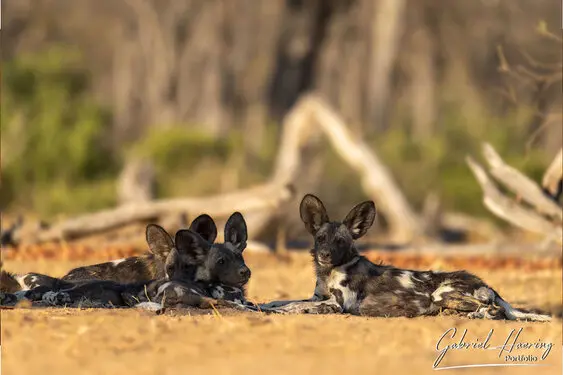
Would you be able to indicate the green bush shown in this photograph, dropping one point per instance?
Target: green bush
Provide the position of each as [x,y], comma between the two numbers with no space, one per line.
[52,134]
[438,164]
[179,154]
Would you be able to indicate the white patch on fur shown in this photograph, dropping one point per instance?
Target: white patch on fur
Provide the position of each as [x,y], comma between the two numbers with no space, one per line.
[514,314]
[422,294]
[484,294]
[179,291]
[406,280]
[118,261]
[162,288]
[21,280]
[218,293]
[443,288]
[349,297]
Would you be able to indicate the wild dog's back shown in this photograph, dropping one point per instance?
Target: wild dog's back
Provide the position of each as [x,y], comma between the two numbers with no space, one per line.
[145,267]
[127,270]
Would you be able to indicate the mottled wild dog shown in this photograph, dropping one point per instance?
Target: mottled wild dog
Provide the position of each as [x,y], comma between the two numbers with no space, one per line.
[128,270]
[197,273]
[357,286]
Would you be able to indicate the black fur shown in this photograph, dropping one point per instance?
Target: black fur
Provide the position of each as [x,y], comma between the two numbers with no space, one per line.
[134,269]
[197,273]
[351,283]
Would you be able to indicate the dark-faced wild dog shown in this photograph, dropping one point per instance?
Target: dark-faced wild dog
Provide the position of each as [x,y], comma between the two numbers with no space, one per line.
[197,273]
[350,283]
[128,270]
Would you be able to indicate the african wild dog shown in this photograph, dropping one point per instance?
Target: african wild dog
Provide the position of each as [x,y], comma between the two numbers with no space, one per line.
[355,285]
[128,270]
[197,273]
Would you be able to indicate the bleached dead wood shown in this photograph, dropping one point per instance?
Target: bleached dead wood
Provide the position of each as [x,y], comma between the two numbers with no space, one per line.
[543,217]
[552,181]
[259,204]
[376,180]
[520,184]
[264,197]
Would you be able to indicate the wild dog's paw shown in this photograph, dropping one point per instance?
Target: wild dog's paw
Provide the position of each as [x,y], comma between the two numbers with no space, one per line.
[447,312]
[486,312]
[157,308]
[56,298]
[475,315]
[8,299]
[329,308]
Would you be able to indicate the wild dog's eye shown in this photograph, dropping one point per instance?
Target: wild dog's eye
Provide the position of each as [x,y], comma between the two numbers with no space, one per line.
[221,261]
[321,237]
[340,241]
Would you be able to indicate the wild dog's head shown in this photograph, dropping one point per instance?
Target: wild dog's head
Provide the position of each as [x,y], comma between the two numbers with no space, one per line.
[175,263]
[218,263]
[334,241]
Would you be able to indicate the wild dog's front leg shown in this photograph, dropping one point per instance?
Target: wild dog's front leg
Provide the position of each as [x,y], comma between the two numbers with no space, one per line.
[329,306]
[180,295]
[321,293]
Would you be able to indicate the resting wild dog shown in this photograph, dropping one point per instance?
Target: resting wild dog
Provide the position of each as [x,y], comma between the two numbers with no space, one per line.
[128,270]
[197,273]
[353,284]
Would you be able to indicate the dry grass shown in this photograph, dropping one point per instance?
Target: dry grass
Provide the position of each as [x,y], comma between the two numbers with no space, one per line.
[65,341]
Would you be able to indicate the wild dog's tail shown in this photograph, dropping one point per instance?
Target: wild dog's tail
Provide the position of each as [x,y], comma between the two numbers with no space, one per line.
[515,314]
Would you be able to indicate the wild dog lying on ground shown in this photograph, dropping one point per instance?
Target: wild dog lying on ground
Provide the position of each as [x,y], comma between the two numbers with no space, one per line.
[128,270]
[352,284]
[197,273]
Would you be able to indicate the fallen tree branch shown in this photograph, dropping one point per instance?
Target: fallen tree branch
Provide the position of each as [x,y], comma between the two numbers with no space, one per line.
[260,204]
[509,210]
[520,184]
[259,198]
[376,179]
[552,181]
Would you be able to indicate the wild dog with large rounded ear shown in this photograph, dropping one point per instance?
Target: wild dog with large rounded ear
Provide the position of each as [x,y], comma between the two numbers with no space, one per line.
[360,219]
[191,251]
[159,241]
[191,246]
[313,213]
[236,232]
[205,227]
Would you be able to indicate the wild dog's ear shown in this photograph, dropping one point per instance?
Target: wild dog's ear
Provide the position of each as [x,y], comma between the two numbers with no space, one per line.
[235,231]
[205,227]
[360,219]
[172,264]
[192,246]
[160,242]
[313,213]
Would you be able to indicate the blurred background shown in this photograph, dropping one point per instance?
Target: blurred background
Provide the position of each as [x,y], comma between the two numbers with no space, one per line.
[198,91]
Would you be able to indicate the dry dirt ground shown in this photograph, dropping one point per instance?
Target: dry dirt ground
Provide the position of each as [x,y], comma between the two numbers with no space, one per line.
[71,341]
